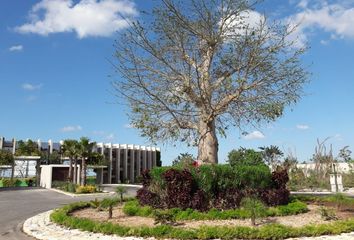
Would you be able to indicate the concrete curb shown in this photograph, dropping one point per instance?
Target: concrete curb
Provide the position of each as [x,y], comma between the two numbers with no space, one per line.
[40,227]
[123,185]
[80,195]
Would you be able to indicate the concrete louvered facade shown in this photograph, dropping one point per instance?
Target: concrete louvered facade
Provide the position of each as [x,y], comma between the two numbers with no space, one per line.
[125,161]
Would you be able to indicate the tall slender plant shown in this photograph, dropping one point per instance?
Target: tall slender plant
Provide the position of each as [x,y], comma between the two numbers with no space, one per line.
[86,148]
[70,150]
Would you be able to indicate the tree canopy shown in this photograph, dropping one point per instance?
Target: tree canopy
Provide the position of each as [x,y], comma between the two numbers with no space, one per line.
[6,157]
[27,148]
[244,156]
[190,70]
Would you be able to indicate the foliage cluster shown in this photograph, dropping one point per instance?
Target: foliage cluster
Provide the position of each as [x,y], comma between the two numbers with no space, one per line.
[133,208]
[271,231]
[244,156]
[109,203]
[6,157]
[74,188]
[311,180]
[212,186]
[27,148]
[338,200]
[86,189]
[17,182]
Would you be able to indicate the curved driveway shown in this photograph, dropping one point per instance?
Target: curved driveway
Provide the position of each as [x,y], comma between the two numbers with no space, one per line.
[18,205]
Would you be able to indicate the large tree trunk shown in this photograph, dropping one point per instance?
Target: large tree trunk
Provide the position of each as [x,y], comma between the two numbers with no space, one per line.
[208,143]
[83,172]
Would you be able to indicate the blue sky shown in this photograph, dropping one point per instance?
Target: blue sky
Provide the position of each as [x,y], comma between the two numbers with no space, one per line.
[55,67]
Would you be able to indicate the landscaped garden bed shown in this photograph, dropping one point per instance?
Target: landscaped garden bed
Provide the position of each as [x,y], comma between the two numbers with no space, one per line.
[75,188]
[86,217]
[210,202]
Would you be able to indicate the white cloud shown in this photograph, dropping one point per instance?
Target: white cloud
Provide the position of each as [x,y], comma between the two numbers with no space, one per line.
[71,128]
[302,127]
[16,48]
[31,87]
[337,19]
[86,18]
[324,42]
[303,3]
[249,19]
[254,135]
[110,137]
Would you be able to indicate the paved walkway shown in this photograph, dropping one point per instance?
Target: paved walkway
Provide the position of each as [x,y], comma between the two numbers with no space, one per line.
[18,205]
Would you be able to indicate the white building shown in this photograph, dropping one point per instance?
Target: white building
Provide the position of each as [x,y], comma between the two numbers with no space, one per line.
[341,167]
[125,161]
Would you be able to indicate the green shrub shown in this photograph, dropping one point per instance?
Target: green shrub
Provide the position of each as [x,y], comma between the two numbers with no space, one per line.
[164,217]
[70,187]
[109,203]
[132,208]
[59,184]
[339,199]
[8,182]
[209,186]
[253,177]
[254,207]
[292,208]
[30,182]
[245,157]
[95,204]
[121,190]
[86,189]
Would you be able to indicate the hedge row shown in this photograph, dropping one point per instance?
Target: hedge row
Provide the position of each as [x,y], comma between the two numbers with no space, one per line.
[267,232]
[212,186]
[133,208]
[16,182]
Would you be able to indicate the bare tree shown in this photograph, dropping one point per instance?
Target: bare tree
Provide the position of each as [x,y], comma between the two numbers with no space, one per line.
[323,159]
[196,68]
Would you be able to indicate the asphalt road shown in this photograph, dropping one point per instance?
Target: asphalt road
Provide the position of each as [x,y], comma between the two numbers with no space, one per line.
[18,205]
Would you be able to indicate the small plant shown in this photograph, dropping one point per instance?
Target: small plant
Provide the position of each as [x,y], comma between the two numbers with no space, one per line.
[120,190]
[164,217]
[254,207]
[109,203]
[339,200]
[95,204]
[327,214]
[70,187]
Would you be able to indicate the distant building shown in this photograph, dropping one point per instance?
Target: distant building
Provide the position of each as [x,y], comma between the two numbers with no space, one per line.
[341,167]
[125,161]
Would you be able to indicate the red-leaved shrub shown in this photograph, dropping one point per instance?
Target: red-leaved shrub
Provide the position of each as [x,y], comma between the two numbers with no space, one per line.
[215,186]
[180,188]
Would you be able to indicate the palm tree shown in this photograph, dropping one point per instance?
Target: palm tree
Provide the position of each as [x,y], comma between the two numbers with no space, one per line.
[86,148]
[271,155]
[70,150]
